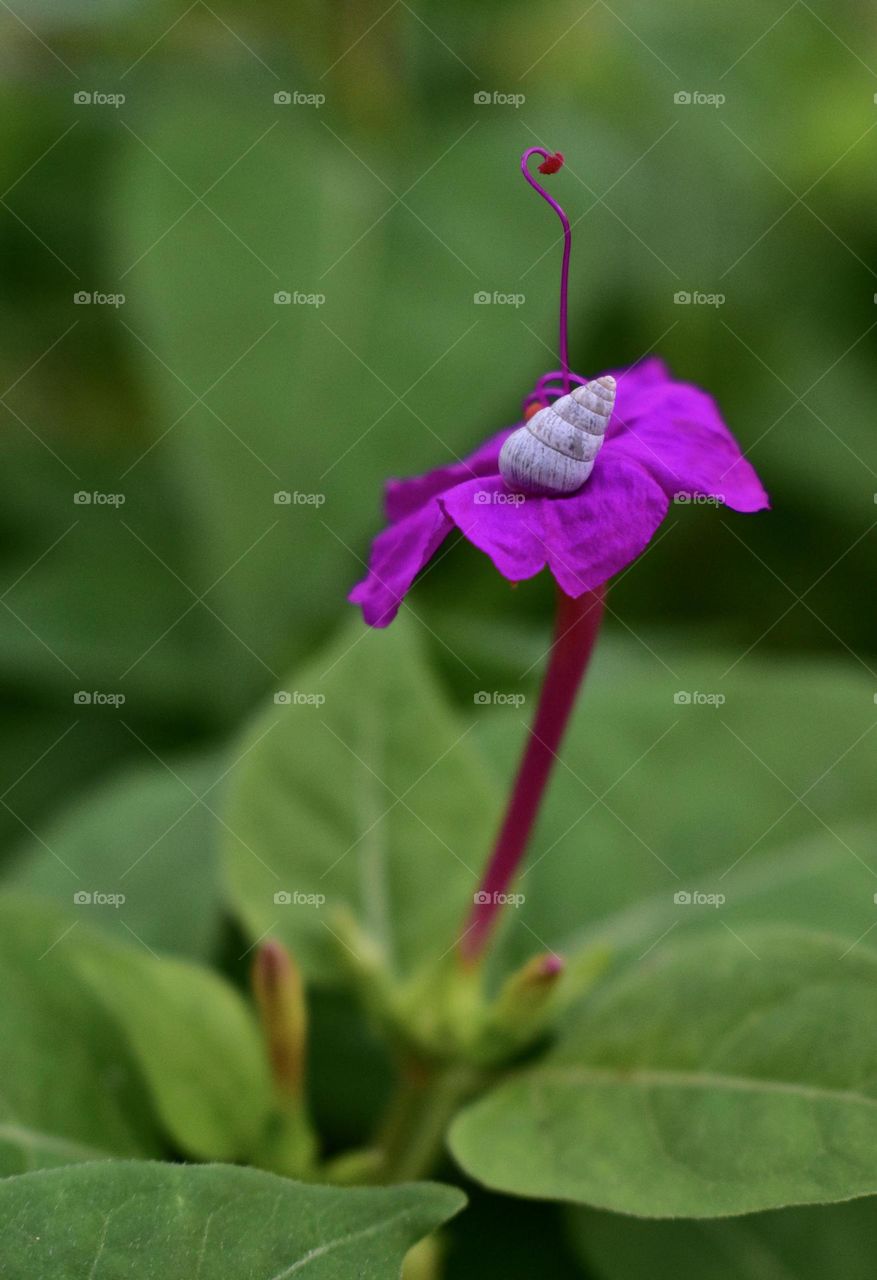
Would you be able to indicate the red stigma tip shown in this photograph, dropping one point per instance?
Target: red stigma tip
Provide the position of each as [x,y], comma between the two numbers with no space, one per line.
[552,163]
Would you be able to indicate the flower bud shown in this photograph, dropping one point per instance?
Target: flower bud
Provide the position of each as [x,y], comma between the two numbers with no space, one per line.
[526,993]
[279,992]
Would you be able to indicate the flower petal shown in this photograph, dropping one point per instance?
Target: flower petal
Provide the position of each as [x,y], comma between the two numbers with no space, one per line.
[633,384]
[490,517]
[676,432]
[584,539]
[401,497]
[599,531]
[397,556]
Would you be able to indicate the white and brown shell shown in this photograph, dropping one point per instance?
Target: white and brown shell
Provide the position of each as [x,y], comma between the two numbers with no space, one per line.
[554,452]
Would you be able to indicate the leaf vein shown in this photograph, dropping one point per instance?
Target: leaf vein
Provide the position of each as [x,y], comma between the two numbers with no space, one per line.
[701,1080]
[331,1245]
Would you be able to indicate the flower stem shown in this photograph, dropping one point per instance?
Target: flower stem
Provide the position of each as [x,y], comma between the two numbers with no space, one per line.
[414,1133]
[576,627]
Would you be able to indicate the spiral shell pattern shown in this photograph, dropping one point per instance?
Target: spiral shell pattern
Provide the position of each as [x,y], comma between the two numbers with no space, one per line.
[554,452]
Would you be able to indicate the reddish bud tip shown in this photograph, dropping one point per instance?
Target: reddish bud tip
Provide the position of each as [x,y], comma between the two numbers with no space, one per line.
[532,409]
[272,963]
[277,986]
[552,965]
[552,163]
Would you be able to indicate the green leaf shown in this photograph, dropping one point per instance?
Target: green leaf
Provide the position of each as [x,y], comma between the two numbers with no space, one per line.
[719,1076]
[114,1048]
[653,797]
[789,1244]
[142,835]
[171,1222]
[68,1078]
[806,882]
[373,801]
[196,1042]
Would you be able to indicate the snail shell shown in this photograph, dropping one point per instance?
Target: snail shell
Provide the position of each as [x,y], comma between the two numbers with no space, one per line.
[554,452]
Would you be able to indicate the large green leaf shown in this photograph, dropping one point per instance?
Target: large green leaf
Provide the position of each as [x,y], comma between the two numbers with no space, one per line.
[789,1244]
[766,799]
[113,1048]
[720,1076]
[196,1043]
[804,882]
[170,1222]
[70,1085]
[372,801]
[144,836]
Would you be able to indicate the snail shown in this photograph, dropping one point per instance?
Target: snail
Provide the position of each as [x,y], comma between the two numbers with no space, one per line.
[553,453]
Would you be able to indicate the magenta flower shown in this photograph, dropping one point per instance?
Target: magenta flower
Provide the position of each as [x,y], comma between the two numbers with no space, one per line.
[662,440]
[665,440]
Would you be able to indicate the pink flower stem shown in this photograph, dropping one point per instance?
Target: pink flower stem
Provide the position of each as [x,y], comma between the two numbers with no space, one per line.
[576,628]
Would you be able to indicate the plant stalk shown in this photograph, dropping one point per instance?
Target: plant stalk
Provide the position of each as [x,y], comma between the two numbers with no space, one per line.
[414,1133]
[576,627]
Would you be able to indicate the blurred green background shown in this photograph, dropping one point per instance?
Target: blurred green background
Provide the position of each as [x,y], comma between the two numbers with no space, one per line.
[192,402]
